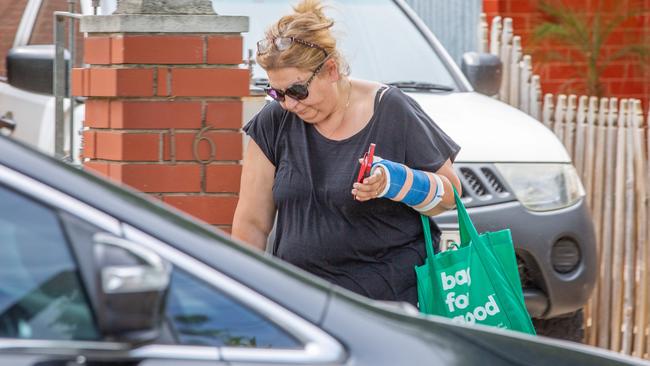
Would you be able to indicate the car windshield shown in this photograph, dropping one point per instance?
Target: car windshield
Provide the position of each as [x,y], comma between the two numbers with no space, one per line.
[377,39]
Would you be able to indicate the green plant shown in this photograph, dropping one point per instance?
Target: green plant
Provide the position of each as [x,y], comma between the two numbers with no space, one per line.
[587,34]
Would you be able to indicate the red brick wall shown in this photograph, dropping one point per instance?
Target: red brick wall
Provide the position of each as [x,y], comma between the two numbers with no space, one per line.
[164,113]
[624,78]
[10,13]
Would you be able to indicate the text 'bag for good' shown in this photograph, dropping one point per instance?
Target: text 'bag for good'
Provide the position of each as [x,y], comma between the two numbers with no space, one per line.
[476,283]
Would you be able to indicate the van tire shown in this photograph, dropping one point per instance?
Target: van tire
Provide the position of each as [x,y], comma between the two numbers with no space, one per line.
[569,327]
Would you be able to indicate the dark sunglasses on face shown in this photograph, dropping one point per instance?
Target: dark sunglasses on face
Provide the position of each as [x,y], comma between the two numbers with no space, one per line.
[298,91]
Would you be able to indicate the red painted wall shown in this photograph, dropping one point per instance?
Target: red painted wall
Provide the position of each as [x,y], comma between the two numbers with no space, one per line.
[624,78]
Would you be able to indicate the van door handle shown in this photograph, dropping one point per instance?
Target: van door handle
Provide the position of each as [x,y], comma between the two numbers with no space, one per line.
[7,123]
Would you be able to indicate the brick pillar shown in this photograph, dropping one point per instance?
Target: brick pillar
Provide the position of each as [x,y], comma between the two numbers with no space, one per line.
[164,107]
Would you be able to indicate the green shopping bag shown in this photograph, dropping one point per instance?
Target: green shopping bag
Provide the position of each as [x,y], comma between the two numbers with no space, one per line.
[476,283]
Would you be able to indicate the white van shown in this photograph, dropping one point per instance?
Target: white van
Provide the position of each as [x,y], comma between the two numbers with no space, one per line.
[27,106]
[515,172]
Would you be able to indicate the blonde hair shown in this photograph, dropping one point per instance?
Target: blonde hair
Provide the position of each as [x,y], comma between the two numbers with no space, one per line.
[309,23]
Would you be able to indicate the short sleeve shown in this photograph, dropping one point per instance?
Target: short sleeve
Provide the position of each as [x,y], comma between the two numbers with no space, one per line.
[427,145]
[263,129]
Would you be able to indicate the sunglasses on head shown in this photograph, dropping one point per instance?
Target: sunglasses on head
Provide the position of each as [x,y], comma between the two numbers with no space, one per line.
[283,43]
[298,91]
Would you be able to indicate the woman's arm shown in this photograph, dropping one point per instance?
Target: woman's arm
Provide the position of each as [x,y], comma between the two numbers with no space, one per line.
[448,177]
[255,211]
[376,183]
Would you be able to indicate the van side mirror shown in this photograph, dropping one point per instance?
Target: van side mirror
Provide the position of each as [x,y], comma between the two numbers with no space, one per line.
[483,70]
[30,68]
[132,283]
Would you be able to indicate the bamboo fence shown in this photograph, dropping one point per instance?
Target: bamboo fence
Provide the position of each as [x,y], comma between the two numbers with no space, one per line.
[608,141]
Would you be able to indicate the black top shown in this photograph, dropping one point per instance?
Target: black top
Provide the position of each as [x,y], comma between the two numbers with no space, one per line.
[367,247]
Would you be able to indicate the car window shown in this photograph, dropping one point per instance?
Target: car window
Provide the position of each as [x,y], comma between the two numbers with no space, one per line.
[202,315]
[376,38]
[41,296]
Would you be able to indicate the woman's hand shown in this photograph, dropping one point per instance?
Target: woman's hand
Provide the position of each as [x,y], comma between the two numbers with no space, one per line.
[371,186]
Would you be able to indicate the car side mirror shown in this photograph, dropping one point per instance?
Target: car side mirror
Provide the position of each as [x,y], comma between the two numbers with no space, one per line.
[483,70]
[30,68]
[132,283]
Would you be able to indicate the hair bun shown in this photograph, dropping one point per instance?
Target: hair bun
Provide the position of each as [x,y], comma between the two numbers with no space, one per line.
[313,7]
[308,23]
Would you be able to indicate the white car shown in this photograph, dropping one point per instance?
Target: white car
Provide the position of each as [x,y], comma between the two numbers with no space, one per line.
[515,172]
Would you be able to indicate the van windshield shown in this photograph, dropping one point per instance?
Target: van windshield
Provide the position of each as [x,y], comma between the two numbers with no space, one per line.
[377,39]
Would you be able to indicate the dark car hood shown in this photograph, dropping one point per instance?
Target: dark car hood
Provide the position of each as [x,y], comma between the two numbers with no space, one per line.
[434,340]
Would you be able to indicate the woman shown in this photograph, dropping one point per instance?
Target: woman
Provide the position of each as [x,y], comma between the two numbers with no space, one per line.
[302,160]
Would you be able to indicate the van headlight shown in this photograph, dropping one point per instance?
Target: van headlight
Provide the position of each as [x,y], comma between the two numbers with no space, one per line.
[543,187]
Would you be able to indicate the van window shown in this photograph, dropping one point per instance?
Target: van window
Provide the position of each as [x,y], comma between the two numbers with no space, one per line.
[378,40]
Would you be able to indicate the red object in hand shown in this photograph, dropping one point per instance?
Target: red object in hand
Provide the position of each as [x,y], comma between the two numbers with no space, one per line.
[366,163]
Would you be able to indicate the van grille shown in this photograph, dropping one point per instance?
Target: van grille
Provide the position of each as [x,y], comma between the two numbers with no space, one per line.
[482,185]
[495,183]
[473,182]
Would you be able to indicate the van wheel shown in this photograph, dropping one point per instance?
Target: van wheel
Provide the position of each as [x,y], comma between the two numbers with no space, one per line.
[568,327]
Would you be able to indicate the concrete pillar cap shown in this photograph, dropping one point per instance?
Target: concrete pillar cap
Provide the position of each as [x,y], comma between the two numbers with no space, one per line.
[170,7]
[164,16]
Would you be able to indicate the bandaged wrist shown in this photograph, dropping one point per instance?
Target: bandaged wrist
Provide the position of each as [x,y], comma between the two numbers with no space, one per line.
[419,189]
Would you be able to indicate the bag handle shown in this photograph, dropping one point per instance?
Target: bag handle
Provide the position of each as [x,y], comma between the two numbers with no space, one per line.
[427,236]
[486,254]
[465,226]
